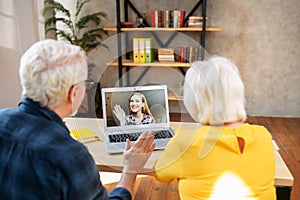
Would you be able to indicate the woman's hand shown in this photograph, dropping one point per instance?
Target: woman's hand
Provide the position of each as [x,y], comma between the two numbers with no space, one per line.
[120,114]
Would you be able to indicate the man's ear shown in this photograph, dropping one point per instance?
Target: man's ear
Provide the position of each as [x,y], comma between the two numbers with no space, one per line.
[72,93]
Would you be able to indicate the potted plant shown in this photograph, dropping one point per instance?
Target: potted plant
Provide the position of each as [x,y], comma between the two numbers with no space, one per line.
[83,31]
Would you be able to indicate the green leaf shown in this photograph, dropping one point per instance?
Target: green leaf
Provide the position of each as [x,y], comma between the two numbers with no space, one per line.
[79,6]
[91,18]
[57,7]
[66,36]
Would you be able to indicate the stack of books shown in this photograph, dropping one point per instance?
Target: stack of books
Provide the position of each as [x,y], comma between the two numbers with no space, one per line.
[167,18]
[166,55]
[143,51]
[195,21]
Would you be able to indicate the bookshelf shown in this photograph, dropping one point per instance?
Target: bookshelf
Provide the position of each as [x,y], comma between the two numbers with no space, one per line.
[130,63]
[183,29]
[124,61]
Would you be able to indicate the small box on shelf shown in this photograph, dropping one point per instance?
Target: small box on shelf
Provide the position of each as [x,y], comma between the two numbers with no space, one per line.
[127,24]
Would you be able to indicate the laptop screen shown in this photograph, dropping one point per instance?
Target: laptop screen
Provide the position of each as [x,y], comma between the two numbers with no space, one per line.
[135,106]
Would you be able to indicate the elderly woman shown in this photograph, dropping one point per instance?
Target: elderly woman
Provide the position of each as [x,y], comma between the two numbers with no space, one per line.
[225,158]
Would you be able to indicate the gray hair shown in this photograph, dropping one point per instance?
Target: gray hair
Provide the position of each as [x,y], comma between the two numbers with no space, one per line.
[48,70]
[214,92]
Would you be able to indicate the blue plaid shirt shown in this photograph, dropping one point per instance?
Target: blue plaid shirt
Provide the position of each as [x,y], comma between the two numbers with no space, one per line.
[39,159]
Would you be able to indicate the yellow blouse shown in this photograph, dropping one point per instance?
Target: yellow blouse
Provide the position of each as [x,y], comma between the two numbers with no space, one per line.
[209,164]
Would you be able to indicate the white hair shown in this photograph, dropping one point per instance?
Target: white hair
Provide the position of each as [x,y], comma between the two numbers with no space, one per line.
[214,92]
[49,69]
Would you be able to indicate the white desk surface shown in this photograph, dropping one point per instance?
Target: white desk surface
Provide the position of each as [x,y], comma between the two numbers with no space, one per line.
[114,163]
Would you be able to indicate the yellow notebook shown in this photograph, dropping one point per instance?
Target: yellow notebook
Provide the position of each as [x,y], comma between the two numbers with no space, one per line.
[84,135]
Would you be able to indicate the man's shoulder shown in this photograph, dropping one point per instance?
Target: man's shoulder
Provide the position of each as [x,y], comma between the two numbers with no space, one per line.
[38,134]
[7,111]
[9,116]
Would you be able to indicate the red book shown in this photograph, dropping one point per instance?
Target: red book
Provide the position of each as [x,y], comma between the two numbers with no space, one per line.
[183,54]
[179,54]
[182,15]
[152,18]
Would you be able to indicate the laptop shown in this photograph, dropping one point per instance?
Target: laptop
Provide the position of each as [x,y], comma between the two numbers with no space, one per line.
[158,121]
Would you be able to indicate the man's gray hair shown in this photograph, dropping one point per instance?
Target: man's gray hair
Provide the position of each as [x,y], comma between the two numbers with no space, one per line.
[48,70]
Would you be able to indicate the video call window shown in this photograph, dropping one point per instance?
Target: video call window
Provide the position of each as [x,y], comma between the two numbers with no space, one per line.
[155,100]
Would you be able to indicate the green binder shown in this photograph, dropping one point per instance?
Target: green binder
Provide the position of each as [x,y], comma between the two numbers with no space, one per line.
[149,50]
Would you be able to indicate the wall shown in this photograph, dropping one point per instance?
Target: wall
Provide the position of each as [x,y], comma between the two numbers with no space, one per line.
[262,38]
[18,19]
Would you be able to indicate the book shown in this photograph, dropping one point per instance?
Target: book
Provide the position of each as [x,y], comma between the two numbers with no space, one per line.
[166,56]
[167,19]
[171,20]
[181,19]
[175,18]
[84,135]
[169,58]
[160,19]
[165,51]
[156,18]
[152,14]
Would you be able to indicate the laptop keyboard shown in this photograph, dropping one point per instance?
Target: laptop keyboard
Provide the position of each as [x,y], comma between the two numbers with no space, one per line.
[114,138]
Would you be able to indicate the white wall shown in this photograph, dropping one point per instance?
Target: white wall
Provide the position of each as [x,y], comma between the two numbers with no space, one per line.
[19,20]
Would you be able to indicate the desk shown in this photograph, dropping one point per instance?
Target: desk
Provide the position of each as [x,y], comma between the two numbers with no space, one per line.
[113,163]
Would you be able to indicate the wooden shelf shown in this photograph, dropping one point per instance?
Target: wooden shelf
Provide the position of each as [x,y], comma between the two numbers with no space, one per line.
[175,98]
[165,29]
[130,63]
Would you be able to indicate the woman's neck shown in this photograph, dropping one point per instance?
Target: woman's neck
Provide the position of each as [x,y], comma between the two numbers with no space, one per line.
[138,114]
[233,124]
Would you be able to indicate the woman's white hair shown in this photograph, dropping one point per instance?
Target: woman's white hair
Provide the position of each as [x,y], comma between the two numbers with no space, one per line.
[214,92]
[49,69]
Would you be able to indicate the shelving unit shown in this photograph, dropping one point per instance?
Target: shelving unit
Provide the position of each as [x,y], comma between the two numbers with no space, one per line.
[129,63]
[124,61]
[165,29]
